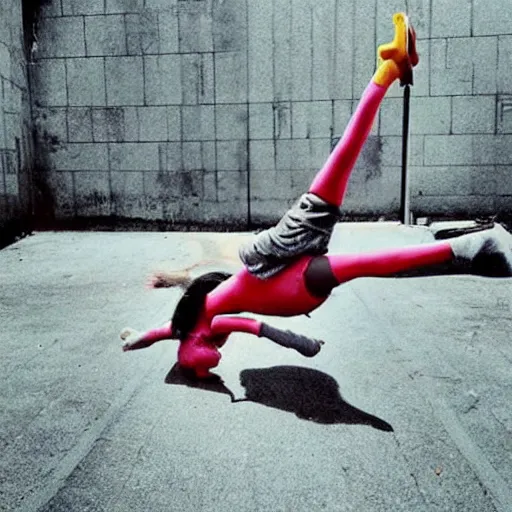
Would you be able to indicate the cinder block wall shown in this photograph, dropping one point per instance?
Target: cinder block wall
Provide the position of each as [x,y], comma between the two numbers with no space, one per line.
[15,124]
[220,111]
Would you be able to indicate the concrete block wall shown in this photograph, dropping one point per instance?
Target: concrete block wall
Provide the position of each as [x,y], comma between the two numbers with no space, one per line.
[15,124]
[221,111]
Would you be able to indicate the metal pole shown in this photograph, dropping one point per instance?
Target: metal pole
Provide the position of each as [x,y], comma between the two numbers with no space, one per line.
[405,215]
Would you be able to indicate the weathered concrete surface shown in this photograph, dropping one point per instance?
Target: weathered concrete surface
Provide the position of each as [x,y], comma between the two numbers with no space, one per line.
[85,426]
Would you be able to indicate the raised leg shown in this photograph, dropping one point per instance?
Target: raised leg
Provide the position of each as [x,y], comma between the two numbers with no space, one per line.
[395,62]
[487,253]
[388,262]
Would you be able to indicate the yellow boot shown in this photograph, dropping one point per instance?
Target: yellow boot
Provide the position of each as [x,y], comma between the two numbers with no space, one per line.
[397,58]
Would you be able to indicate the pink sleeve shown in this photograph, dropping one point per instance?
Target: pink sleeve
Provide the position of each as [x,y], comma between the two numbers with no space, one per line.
[147,338]
[157,334]
[228,324]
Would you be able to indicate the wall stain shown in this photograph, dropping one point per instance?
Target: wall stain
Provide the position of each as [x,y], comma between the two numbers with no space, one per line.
[31,10]
[226,32]
[93,200]
[371,158]
[282,119]
[114,121]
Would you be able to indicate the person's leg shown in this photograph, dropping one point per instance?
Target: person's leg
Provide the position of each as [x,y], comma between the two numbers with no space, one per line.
[396,61]
[388,262]
[487,253]
[306,228]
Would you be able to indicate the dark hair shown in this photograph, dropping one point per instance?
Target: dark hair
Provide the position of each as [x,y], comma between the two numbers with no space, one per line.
[189,306]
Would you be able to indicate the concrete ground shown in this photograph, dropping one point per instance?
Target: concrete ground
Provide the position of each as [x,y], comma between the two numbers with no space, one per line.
[406,408]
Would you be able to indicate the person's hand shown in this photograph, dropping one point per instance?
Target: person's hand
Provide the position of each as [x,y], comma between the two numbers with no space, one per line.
[129,336]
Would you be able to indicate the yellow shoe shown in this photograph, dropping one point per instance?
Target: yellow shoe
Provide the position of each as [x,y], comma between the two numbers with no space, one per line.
[401,51]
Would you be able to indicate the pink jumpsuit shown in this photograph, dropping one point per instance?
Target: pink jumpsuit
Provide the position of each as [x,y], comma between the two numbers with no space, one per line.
[286,293]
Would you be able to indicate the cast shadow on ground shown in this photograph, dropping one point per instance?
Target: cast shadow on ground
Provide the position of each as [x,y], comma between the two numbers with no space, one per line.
[310,394]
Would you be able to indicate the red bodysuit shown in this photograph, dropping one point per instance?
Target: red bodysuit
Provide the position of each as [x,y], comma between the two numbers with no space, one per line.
[284,294]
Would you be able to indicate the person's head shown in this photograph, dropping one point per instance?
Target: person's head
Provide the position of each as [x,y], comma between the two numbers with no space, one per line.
[189,306]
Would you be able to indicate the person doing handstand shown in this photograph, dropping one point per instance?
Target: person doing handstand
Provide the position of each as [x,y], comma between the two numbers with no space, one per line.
[287,270]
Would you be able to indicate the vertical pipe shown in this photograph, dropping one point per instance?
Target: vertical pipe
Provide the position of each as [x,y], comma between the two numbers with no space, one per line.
[405,216]
[248,138]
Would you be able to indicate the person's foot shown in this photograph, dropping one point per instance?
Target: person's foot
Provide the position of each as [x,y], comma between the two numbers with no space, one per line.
[487,253]
[402,50]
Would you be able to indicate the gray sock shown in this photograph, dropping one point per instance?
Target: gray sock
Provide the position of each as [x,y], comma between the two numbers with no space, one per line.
[486,253]
[306,346]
